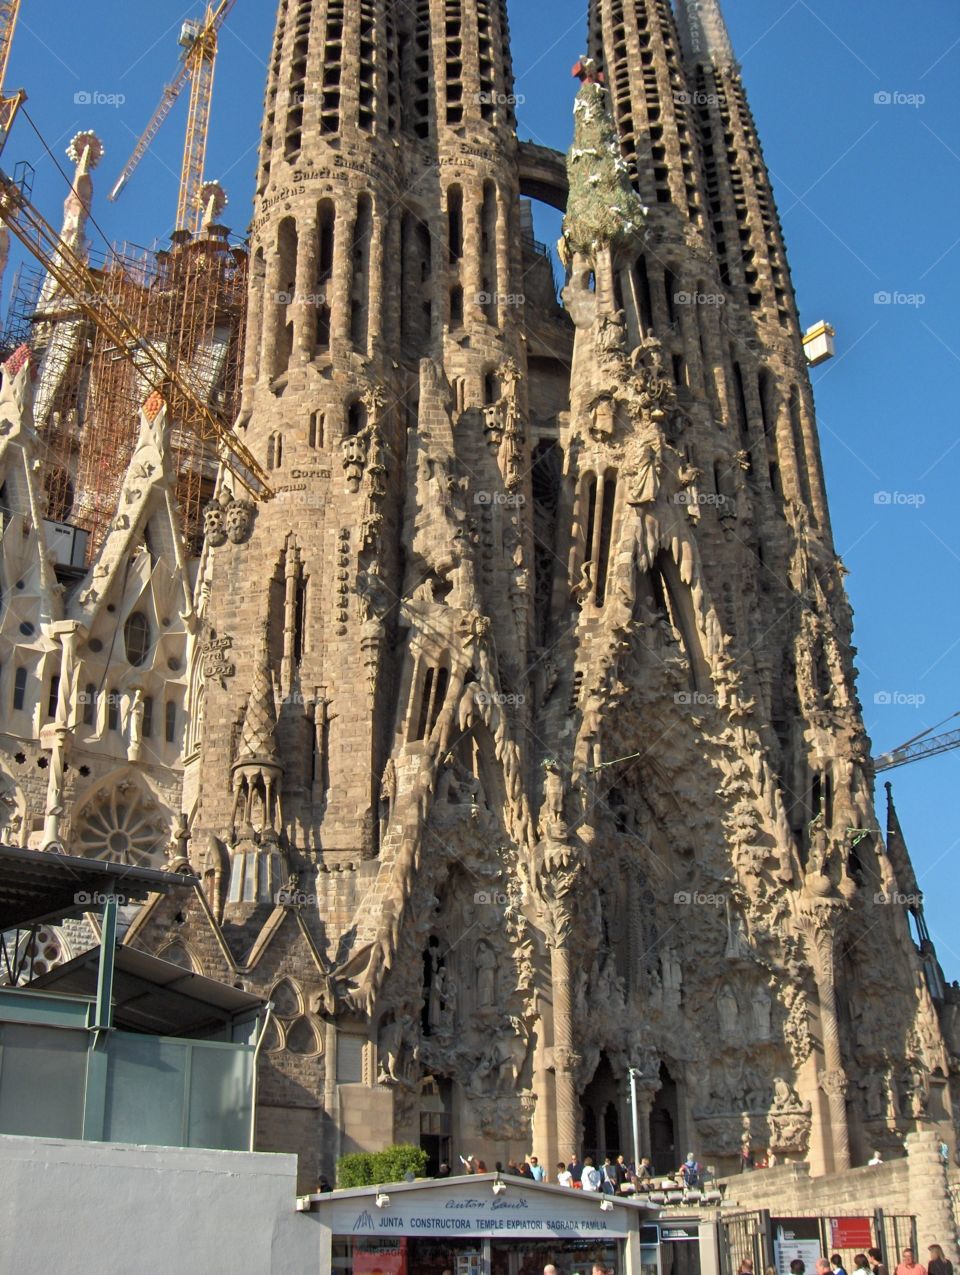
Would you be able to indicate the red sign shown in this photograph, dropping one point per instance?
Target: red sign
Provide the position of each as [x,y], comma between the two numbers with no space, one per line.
[851,1232]
[379,1257]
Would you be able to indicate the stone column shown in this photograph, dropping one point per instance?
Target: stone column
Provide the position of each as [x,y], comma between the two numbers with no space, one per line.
[823,927]
[930,1194]
[59,736]
[565,1058]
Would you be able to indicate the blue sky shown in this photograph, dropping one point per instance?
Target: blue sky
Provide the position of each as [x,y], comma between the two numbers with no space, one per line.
[869,194]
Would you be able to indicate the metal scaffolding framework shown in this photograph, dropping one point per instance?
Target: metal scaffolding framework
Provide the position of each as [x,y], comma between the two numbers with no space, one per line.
[189,304]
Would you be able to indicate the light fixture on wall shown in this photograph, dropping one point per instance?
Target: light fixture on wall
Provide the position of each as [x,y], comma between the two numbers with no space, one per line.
[382,1201]
[499,1186]
[606,1205]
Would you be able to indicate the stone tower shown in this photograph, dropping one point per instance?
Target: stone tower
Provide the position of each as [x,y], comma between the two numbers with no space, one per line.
[524,746]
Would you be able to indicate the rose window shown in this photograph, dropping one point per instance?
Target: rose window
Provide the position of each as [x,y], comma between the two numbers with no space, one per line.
[125,826]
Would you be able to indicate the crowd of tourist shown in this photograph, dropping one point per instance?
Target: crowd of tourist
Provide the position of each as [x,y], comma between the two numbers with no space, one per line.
[868,1263]
[614,1176]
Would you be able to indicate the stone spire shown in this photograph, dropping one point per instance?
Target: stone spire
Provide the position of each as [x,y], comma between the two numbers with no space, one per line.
[703,31]
[603,209]
[258,740]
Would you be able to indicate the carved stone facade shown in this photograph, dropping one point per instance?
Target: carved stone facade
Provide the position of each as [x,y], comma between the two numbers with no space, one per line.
[518,742]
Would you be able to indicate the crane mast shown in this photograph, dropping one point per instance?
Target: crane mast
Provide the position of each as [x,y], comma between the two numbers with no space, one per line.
[9,104]
[199,41]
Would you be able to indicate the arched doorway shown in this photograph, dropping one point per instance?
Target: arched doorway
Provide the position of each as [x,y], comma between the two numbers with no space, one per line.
[602,1134]
[663,1125]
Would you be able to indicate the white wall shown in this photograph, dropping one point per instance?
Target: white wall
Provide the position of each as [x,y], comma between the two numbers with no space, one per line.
[91,1208]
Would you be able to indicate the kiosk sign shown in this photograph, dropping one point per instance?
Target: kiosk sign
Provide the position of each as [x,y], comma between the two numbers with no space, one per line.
[530,1214]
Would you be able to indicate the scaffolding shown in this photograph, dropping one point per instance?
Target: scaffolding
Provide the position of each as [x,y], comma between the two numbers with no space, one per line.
[190,303]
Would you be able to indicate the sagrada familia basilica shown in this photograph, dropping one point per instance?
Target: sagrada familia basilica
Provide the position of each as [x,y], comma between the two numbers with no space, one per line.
[515,740]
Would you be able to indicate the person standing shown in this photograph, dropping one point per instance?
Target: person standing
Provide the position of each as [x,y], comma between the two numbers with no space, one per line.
[909,1264]
[536,1170]
[590,1178]
[836,1264]
[564,1176]
[876,1261]
[861,1264]
[937,1263]
[746,1267]
[575,1166]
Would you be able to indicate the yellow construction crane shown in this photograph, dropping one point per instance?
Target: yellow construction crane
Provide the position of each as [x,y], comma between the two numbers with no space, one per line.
[197,65]
[9,105]
[150,360]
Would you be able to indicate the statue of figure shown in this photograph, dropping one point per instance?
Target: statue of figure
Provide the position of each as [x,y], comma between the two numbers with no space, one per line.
[438,989]
[785,1098]
[645,483]
[671,974]
[762,1007]
[553,796]
[393,1040]
[917,1090]
[612,336]
[486,965]
[729,1013]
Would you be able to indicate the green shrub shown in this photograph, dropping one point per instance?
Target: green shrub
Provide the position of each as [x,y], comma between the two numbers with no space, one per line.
[372,1168]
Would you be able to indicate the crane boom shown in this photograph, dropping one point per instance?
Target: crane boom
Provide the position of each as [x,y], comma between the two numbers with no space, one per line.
[918,749]
[170,95]
[197,66]
[151,362]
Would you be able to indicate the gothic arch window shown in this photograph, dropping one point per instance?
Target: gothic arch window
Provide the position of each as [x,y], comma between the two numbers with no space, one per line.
[644,298]
[286,998]
[123,824]
[137,638]
[600,499]
[53,696]
[431,691]
[362,252]
[275,450]
[19,689]
[303,1038]
[89,715]
[455,223]
[177,954]
[356,418]
[799,447]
